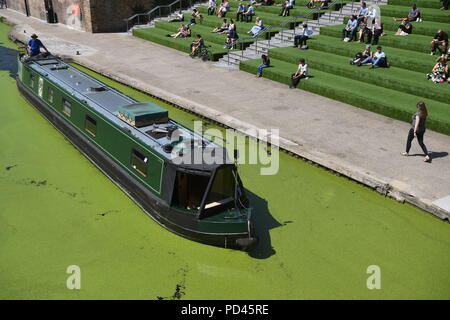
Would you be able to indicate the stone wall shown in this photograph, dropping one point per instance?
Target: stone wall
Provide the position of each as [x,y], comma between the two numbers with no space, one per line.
[87,15]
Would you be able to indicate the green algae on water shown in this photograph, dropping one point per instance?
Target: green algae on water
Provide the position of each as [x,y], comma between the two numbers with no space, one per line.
[320,232]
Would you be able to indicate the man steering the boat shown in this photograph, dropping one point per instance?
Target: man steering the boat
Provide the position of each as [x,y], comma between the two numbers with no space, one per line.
[35,45]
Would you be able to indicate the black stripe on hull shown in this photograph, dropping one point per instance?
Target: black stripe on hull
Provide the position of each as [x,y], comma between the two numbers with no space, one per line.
[150,204]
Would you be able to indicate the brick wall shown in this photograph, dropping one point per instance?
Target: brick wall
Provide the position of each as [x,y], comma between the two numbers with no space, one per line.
[88,15]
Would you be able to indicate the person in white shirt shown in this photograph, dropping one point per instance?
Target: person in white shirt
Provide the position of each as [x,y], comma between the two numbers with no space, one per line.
[222,11]
[287,6]
[249,13]
[211,7]
[179,16]
[259,25]
[300,39]
[302,72]
[378,59]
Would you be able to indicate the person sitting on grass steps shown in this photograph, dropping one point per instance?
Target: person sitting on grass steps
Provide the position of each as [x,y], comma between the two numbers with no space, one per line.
[232,36]
[212,4]
[240,12]
[259,25]
[405,28]
[439,74]
[265,64]
[414,15]
[360,56]
[378,59]
[351,28]
[418,130]
[300,39]
[183,32]
[363,31]
[196,44]
[222,11]
[362,12]
[302,73]
[440,42]
[249,13]
[223,28]
[286,7]
[195,14]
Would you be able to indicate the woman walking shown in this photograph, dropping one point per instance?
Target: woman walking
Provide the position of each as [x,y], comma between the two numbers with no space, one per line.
[418,130]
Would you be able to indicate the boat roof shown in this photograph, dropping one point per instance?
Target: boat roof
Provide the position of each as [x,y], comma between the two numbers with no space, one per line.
[107,101]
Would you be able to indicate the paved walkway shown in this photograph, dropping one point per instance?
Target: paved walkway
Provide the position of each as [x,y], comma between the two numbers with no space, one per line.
[360,144]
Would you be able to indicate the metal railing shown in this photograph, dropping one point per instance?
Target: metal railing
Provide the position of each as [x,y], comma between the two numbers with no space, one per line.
[282,25]
[159,11]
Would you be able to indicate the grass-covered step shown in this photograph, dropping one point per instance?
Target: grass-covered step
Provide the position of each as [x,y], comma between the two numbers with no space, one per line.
[435,4]
[426,28]
[368,96]
[204,31]
[268,18]
[392,78]
[159,36]
[410,60]
[427,14]
[413,42]
[241,27]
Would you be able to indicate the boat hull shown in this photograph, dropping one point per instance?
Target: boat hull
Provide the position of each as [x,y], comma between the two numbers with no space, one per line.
[150,204]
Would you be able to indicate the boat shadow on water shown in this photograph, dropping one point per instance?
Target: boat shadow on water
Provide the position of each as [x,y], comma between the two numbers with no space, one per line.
[8,60]
[263,222]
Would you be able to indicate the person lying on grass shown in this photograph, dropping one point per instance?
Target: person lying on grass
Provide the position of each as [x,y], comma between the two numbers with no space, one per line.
[440,42]
[179,17]
[378,59]
[197,43]
[259,25]
[183,32]
[265,64]
[224,27]
[439,73]
[302,73]
[413,15]
[405,28]
[360,56]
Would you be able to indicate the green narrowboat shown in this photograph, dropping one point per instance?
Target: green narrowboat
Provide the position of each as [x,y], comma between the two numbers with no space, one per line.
[159,163]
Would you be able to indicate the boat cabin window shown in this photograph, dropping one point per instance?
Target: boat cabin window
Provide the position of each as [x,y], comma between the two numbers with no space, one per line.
[222,189]
[139,162]
[50,95]
[189,190]
[90,125]
[32,80]
[66,105]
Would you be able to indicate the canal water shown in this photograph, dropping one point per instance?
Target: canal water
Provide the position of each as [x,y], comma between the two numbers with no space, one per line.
[319,232]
